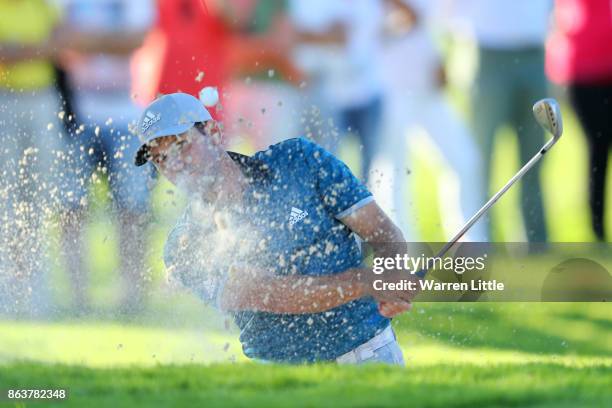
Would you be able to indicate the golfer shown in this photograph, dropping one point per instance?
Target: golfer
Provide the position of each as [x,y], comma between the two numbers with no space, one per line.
[271,240]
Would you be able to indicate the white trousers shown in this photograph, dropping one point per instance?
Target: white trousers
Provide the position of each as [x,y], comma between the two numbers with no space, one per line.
[391,178]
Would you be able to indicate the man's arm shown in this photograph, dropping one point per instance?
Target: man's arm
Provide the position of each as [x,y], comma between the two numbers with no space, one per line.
[64,39]
[297,294]
[253,290]
[374,226]
[14,53]
[248,288]
[102,42]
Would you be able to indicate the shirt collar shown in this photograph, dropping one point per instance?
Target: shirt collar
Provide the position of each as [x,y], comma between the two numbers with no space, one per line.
[254,169]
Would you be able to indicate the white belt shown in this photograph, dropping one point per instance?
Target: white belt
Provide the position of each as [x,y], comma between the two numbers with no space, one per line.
[366,350]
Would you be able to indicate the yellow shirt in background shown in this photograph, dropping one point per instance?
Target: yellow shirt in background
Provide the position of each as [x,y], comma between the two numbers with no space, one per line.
[26,22]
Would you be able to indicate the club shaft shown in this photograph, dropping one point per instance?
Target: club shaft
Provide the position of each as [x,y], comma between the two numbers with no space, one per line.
[489,204]
[496,197]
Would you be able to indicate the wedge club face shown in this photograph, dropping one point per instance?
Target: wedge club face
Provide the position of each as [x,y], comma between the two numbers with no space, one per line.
[548,115]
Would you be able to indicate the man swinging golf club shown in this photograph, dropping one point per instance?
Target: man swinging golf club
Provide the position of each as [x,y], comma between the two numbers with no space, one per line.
[270,239]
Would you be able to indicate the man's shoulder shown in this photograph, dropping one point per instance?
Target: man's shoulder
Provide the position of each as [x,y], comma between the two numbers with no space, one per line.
[289,153]
[289,147]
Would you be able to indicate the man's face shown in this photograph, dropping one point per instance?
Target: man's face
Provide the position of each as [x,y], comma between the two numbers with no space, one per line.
[189,160]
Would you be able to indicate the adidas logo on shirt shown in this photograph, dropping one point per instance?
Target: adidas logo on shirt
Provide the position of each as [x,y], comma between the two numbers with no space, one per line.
[296,216]
[149,120]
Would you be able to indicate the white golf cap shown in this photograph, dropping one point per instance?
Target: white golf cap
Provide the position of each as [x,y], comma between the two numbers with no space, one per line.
[170,114]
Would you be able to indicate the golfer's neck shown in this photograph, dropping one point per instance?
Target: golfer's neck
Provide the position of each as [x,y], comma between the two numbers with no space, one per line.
[233,183]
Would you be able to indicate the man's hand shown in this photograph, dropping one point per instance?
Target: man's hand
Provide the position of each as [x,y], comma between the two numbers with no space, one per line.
[366,277]
[376,228]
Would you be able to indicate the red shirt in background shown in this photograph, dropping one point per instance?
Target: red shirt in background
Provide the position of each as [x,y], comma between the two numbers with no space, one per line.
[579,50]
[189,38]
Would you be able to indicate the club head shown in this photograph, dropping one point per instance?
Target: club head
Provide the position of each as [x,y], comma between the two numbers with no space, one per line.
[548,115]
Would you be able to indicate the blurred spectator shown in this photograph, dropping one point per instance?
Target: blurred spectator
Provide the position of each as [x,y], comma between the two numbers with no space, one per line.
[337,46]
[413,76]
[187,48]
[104,33]
[510,37]
[579,55]
[34,152]
[262,100]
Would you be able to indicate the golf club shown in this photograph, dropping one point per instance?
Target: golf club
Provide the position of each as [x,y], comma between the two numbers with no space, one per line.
[548,115]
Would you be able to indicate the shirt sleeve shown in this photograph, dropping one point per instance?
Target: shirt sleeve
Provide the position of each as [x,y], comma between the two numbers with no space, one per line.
[341,192]
[185,260]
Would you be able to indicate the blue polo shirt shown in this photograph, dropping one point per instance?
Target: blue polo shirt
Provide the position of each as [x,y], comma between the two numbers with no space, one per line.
[287,223]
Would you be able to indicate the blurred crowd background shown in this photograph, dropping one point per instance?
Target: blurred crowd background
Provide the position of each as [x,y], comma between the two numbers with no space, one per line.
[391,86]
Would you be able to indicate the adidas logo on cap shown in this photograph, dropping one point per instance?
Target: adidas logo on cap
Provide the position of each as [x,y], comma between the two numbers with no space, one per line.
[149,120]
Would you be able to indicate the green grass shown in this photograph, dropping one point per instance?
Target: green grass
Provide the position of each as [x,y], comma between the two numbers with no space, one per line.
[537,355]
[441,385]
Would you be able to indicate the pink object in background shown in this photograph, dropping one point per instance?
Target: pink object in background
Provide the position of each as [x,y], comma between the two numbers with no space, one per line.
[579,49]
